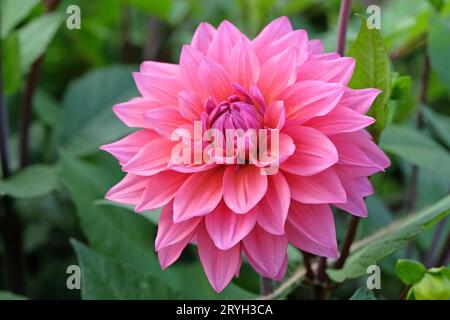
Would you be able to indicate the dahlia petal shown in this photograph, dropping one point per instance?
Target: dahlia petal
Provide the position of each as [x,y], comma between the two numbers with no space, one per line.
[227,228]
[310,227]
[165,120]
[224,40]
[274,117]
[126,148]
[243,65]
[244,187]
[203,36]
[323,187]
[273,208]
[359,100]
[277,73]
[335,71]
[160,190]
[129,190]
[190,60]
[358,150]
[169,232]
[341,119]
[297,39]
[273,31]
[132,112]
[151,159]
[307,99]
[159,88]
[355,202]
[190,105]
[215,79]
[315,46]
[265,252]
[220,265]
[160,68]
[198,195]
[168,255]
[314,152]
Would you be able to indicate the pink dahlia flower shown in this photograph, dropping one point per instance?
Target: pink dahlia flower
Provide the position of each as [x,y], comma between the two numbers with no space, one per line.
[279,81]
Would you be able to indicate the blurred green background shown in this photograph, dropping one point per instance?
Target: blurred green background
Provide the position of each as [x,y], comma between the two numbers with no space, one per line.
[55,191]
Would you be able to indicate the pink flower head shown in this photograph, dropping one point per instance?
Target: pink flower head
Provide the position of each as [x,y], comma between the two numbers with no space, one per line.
[279,81]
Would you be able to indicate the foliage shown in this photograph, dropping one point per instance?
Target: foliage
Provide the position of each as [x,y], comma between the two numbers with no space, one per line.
[58,197]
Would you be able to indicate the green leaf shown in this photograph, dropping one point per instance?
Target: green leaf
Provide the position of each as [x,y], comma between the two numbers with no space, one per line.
[6,295]
[11,63]
[400,87]
[386,241]
[416,148]
[47,109]
[33,181]
[372,70]
[95,93]
[363,294]
[439,47]
[409,271]
[35,36]
[439,123]
[12,12]
[435,285]
[104,278]
[125,236]
[158,8]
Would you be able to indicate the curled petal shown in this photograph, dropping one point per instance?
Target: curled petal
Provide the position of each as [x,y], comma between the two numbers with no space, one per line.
[314,152]
[203,36]
[126,148]
[335,71]
[198,195]
[165,120]
[273,31]
[220,265]
[310,227]
[227,228]
[169,232]
[265,252]
[129,190]
[243,187]
[160,190]
[273,208]
[324,187]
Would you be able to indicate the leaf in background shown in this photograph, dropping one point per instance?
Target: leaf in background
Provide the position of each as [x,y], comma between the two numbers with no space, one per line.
[381,244]
[35,36]
[47,109]
[12,12]
[6,295]
[372,71]
[409,271]
[126,236]
[11,63]
[439,123]
[439,47]
[104,278]
[363,294]
[158,8]
[416,148]
[88,117]
[401,87]
[33,181]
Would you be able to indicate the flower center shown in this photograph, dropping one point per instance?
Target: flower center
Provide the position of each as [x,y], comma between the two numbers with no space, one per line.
[233,113]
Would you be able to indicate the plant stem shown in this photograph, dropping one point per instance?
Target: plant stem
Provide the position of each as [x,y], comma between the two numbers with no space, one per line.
[266,286]
[10,223]
[27,98]
[26,111]
[307,264]
[349,238]
[430,255]
[344,15]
